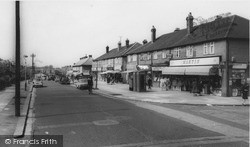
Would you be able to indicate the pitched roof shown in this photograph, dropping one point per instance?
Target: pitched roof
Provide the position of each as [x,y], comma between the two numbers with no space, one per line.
[84,61]
[114,53]
[228,27]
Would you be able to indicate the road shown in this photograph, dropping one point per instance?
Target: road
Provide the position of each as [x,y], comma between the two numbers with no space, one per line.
[94,120]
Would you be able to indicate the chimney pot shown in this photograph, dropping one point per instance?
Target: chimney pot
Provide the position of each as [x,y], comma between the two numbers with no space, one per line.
[153,34]
[127,43]
[107,49]
[119,45]
[144,41]
[177,29]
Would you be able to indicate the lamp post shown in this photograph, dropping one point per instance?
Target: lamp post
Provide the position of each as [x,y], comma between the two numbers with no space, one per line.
[25,72]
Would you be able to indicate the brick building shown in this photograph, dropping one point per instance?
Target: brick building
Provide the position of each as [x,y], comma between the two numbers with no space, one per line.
[214,53]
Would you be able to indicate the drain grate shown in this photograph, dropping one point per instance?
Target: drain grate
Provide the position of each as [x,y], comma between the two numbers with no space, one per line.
[116,94]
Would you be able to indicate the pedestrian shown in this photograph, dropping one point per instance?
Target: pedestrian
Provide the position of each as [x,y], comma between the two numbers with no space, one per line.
[162,83]
[90,84]
[149,83]
[244,91]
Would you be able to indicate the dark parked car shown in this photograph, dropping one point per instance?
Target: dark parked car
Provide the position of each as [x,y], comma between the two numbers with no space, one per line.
[65,80]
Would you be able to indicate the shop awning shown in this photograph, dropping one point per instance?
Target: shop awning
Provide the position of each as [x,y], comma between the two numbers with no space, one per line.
[110,71]
[198,70]
[192,70]
[173,70]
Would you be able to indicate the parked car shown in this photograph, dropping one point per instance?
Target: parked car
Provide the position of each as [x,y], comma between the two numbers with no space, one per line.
[82,83]
[65,80]
[37,83]
[57,79]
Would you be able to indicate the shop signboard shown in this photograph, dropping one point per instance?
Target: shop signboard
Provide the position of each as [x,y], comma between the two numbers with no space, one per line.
[157,68]
[239,66]
[117,67]
[196,61]
[143,67]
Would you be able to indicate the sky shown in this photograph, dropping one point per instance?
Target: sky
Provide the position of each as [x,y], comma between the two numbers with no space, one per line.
[59,33]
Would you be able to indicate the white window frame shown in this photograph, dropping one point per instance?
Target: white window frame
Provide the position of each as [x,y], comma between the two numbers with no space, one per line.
[164,54]
[134,57]
[189,51]
[155,55]
[178,50]
[205,48]
[149,56]
[211,48]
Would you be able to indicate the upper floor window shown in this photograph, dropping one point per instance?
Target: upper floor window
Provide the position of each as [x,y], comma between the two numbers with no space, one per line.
[164,54]
[134,57]
[177,52]
[149,56]
[208,48]
[155,55]
[211,49]
[189,51]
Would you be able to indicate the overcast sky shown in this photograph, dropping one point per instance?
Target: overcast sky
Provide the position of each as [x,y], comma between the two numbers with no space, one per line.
[60,32]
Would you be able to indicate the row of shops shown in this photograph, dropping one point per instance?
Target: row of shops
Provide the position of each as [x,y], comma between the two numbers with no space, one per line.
[183,73]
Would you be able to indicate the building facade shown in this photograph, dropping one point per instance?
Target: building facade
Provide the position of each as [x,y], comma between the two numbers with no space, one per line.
[215,54]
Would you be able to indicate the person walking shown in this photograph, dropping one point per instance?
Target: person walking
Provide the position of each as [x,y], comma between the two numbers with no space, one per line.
[90,84]
[149,83]
[244,90]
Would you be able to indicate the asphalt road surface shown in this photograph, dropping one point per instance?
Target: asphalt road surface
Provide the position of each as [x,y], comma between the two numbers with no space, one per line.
[94,120]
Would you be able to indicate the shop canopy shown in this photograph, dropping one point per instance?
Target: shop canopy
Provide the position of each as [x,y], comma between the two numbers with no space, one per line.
[110,71]
[192,70]
[198,70]
[173,71]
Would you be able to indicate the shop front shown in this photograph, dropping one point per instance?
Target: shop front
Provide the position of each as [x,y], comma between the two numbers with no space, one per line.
[238,78]
[186,74]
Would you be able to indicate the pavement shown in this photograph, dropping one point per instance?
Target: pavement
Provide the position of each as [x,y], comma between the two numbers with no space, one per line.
[9,123]
[157,95]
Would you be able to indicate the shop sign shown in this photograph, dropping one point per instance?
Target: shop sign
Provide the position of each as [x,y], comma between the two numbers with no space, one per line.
[110,68]
[239,66]
[118,67]
[157,68]
[197,61]
[143,67]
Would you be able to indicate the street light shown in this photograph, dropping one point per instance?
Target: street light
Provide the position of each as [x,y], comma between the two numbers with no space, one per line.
[25,56]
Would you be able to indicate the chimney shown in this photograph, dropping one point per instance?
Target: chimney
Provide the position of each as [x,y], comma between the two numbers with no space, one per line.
[153,33]
[90,56]
[127,43]
[107,49]
[177,29]
[189,19]
[119,45]
[144,41]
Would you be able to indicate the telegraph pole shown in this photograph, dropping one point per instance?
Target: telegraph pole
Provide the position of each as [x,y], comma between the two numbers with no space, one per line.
[17,86]
[33,65]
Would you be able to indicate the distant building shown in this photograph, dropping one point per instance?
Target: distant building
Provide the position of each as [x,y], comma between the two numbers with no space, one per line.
[83,66]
